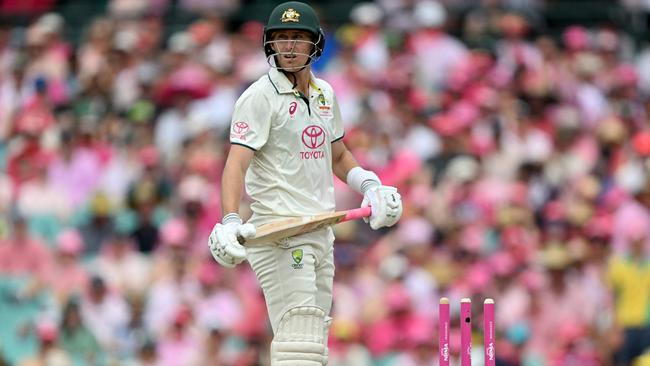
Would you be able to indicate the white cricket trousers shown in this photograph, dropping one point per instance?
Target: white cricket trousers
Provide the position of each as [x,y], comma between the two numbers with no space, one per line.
[300,273]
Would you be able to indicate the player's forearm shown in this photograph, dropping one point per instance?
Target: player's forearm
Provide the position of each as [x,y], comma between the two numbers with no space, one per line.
[344,164]
[232,180]
[342,160]
[231,188]
[232,183]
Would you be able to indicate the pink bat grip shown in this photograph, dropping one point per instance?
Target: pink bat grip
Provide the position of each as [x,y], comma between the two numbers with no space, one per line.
[357,213]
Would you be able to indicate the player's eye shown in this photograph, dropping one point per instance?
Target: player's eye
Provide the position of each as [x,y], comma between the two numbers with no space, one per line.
[280,36]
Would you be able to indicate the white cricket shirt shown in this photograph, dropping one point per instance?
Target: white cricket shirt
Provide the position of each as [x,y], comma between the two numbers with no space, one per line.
[291,171]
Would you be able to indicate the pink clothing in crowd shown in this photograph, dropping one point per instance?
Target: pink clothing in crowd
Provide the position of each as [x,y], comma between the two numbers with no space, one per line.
[24,257]
[631,221]
[77,177]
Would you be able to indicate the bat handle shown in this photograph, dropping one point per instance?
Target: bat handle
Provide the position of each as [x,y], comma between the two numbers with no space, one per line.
[357,213]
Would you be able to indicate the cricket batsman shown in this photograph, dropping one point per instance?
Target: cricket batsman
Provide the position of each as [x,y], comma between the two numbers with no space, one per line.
[286,146]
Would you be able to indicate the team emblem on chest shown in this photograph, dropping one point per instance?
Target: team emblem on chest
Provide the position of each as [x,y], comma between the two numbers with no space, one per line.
[324,107]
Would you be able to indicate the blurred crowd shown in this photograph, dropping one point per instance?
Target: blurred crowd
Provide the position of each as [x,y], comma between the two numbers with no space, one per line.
[522,158]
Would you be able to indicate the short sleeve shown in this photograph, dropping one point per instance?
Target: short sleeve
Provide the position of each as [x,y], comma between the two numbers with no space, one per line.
[251,120]
[337,121]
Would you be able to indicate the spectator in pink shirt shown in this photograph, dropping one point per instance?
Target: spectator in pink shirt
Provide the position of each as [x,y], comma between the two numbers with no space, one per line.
[67,277]
[23,255]
[76,171]
[216,295]
[174,282]
[395,331]
[559,304]
[173,250]
[633,211]
[180,344]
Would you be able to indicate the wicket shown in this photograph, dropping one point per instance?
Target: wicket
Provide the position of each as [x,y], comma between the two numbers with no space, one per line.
[443,327]
[488,333]
[466,332]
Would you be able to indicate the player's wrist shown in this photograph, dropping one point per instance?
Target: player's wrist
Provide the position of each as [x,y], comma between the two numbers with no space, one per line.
[362,180]
[231,218]
[367,185]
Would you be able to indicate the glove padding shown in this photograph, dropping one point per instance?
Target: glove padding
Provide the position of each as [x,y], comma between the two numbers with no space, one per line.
[224,245]
[386,206]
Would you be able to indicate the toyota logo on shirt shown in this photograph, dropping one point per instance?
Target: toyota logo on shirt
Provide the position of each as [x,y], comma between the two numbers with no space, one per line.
[240,128]
[313,137]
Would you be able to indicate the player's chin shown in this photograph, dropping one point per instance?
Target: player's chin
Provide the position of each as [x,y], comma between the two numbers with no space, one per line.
[294,64]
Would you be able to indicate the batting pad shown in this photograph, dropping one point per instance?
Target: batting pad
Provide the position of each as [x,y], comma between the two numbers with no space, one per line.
[326,331]
[299,339]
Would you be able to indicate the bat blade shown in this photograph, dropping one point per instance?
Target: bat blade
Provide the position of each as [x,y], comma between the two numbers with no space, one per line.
[270,232]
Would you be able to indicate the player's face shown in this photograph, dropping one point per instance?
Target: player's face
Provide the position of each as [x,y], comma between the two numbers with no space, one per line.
[294,48]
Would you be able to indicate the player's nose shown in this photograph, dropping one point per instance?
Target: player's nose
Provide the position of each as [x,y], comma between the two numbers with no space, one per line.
[287,46]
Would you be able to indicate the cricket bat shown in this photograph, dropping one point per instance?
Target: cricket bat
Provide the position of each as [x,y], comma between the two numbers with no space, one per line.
[268,233]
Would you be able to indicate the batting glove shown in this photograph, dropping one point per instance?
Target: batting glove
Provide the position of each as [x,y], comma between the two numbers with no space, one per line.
[386,205]
[223,242]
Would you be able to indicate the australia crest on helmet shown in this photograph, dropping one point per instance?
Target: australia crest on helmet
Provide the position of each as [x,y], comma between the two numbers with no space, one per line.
[290,15]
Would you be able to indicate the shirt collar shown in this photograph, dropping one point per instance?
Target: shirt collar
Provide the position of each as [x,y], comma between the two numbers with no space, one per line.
[283,85]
